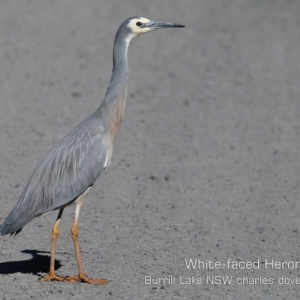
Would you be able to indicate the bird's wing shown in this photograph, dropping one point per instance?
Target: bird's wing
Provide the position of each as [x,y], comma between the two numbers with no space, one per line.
[67,170]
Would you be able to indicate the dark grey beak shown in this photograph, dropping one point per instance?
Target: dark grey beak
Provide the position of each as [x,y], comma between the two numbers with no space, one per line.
[158,25]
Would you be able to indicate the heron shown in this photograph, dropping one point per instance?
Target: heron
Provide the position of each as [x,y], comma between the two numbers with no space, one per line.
[69,170]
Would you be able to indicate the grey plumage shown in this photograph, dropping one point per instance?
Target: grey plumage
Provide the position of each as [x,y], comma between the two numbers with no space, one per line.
[72,166]
[67,170]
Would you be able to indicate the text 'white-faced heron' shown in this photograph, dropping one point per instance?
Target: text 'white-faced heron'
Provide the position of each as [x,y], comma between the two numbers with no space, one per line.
[69,170]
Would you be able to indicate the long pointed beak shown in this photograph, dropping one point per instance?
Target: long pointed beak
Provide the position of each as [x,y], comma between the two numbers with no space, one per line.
[158,25]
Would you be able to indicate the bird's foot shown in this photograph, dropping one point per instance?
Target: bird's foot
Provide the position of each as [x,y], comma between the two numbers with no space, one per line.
[51,277]
[84,278]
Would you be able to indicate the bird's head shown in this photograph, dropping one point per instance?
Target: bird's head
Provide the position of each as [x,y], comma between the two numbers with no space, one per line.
[138,25]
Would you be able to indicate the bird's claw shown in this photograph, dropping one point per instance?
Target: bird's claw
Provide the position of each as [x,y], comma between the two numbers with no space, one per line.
[85,279]
[52,277]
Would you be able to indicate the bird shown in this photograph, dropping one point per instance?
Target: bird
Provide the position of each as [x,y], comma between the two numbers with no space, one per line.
[69,170]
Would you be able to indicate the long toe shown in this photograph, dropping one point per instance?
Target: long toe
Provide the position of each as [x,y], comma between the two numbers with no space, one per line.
[94,281]
[72,279]
[52,277]
[85,279]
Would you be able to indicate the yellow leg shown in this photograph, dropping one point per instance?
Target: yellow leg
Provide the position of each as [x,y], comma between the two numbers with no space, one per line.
[81,276]
[55,232]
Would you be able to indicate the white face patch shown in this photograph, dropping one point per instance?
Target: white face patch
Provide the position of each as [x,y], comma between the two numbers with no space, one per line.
[134,25]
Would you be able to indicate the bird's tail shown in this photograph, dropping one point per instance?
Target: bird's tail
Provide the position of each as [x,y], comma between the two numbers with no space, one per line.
[16,220]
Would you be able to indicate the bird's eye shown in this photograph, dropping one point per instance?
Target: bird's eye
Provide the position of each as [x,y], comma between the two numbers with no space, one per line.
[139,24]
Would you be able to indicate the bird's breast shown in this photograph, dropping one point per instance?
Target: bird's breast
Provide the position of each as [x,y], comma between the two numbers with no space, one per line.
[107,139]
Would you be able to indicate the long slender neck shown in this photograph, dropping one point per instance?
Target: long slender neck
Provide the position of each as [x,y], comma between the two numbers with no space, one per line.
[111,110]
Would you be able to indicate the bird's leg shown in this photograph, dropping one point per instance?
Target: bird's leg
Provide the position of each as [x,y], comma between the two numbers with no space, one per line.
[81,276]
[55,233]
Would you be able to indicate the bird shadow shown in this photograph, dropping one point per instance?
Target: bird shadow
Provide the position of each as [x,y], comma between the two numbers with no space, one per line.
[36,264]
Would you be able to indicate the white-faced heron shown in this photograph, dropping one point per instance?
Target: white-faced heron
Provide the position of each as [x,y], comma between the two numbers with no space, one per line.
[69,170]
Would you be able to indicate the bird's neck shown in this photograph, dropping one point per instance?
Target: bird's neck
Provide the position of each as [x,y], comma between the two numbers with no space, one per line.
[111,110]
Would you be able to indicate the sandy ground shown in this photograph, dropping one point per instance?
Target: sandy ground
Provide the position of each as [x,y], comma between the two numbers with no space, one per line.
[206,165]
